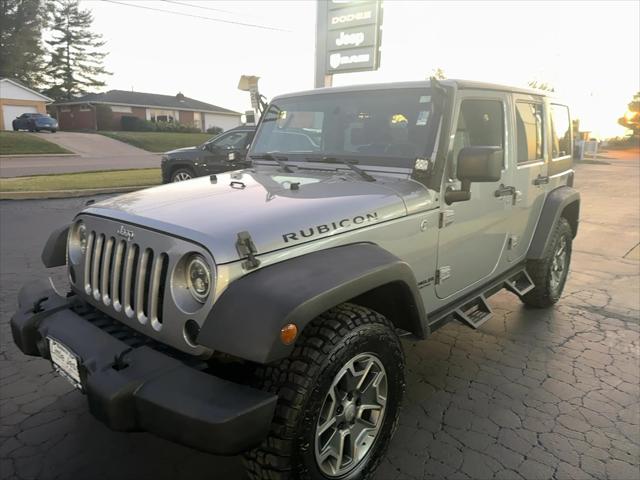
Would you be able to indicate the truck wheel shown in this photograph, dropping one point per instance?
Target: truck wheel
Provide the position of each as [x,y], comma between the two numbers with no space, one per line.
[182,174]
[339,398]
[549,273]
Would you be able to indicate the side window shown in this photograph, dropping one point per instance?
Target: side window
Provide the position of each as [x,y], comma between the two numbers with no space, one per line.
[529,131]
[480,123]
[231,141]
[560,131]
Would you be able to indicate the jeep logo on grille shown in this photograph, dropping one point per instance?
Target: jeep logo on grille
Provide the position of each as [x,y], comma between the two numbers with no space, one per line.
[126,233]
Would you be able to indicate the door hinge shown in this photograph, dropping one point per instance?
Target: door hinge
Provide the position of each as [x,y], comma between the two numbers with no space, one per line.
[513,241]
[446,217]
[442,274]
[247,249]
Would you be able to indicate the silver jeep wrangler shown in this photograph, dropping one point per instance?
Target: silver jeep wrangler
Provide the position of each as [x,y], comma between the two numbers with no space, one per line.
[260,311]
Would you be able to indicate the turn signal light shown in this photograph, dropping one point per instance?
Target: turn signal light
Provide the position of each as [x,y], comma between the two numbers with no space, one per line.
[288,333]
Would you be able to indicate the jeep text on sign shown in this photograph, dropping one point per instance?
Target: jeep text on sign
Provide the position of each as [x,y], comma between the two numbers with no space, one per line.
[364,36]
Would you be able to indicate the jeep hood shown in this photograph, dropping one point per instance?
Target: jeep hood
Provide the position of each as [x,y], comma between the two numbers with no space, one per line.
[269,205]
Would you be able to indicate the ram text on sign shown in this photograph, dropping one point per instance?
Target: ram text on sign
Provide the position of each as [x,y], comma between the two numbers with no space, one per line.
[351,60]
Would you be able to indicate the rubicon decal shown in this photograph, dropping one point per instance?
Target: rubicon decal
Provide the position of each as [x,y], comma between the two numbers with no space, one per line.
[329,227]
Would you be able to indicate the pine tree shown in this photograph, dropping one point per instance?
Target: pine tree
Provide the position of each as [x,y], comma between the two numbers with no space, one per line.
[21,52]
[76,64]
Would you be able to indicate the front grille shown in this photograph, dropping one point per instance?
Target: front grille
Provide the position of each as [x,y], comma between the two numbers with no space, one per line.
[126,277]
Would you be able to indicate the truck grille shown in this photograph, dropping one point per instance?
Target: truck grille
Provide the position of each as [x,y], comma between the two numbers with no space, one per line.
[127,277]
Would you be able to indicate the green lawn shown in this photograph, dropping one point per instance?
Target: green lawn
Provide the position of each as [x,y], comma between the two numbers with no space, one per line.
[159,141]
[78,181]
[22,143]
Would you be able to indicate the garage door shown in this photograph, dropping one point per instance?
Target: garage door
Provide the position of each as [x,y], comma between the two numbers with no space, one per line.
[10,112]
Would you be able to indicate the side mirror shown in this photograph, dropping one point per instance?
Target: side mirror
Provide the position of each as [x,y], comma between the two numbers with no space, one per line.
[476,164]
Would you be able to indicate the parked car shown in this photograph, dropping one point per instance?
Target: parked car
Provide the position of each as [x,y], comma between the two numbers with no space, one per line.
[35,122]
[222,153]
[260,310]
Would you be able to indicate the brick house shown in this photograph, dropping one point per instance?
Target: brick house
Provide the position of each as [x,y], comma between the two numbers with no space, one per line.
[103,111]
[16,99]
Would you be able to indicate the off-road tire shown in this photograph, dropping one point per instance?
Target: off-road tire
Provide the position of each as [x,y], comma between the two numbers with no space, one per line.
[543,295]
[302,381]
[180,170]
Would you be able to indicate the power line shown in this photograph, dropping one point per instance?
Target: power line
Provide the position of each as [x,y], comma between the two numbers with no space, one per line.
[213,9]
[264,27]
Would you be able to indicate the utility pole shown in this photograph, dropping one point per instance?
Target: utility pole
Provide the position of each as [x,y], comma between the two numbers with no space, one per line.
[322,14]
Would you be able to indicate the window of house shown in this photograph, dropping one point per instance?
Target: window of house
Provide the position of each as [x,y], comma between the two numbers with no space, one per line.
[120,109]
[157,115]
[560,131]
[480,123]
[197,119]
[529,131]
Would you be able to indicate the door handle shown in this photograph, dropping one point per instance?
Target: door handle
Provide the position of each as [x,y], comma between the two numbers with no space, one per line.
[505,191]
[541,180]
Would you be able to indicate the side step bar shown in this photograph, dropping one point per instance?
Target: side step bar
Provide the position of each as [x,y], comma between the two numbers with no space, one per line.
[473,308]
[475,312]
[520,283]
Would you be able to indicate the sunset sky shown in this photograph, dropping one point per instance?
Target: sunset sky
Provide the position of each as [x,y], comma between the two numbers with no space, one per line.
[589,51]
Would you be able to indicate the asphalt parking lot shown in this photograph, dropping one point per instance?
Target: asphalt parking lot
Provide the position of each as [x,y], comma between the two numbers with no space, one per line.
[532,394]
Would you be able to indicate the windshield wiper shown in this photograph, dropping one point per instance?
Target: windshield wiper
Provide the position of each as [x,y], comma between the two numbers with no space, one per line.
[271,157]
[348,163]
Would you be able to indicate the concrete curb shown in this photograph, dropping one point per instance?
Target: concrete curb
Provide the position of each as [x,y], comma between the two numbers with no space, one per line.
[40,155]
[86,192]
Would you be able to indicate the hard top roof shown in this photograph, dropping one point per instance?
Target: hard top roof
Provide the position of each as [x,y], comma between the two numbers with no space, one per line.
[460,84]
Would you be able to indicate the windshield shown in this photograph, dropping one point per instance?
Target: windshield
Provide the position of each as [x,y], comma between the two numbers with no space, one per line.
[383,127]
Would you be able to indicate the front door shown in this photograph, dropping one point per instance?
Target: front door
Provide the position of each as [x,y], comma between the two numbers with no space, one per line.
[473,233]
[218,150]
[530,174]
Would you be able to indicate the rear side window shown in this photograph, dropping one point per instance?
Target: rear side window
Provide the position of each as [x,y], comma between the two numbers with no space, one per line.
[560,131]
[529,131]
[480,123]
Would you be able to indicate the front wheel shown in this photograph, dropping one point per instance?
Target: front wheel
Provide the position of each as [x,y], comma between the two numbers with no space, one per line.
[182,174]
[339,399]
[549,274]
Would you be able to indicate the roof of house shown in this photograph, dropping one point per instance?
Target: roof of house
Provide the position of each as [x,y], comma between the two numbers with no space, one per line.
[19,84]
[142,99]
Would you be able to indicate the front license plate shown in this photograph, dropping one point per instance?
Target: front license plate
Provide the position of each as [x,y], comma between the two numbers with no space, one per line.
[65,362]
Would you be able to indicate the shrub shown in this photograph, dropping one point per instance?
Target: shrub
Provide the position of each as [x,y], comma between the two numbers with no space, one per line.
[176,127]
[214,130]
[135,124]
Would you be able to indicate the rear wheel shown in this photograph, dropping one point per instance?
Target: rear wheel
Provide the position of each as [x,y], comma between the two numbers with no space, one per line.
[182,174]
[549,274]
[339,399]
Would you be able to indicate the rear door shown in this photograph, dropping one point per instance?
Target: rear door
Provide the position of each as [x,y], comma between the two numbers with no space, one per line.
[530,175]
[473,233]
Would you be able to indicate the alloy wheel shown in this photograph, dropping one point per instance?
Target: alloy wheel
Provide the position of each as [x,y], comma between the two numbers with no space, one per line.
[351,415]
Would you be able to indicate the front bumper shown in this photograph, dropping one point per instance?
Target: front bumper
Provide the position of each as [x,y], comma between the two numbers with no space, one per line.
[131,386]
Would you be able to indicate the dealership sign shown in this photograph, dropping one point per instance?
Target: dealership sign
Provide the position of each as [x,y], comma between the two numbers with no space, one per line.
[352,35]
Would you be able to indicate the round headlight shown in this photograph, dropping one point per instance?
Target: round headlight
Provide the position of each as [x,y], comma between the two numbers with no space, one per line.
[198,278]
[77,242]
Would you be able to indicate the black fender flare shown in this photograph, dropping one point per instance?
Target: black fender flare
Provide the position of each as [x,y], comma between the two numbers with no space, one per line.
[54,253]
[247,318]
[555,205]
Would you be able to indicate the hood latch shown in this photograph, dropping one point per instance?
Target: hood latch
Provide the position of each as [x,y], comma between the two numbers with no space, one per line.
[247,249]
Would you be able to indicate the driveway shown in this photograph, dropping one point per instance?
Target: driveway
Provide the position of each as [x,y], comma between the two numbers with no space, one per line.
[535,394]
[95,152]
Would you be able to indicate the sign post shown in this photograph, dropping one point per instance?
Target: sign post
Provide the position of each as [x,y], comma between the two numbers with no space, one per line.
[348,38]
